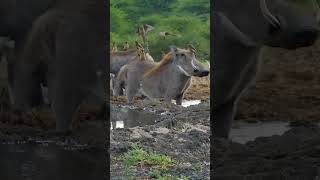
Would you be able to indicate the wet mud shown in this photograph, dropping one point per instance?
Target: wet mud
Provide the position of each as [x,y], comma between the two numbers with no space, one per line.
[181,133]
[293,155]
[283,106]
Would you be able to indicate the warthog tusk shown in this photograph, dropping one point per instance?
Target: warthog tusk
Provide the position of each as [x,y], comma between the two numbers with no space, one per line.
[183,71]
[268,15]
[194,66]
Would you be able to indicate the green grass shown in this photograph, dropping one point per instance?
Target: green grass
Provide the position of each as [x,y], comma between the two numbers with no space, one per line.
[156,164]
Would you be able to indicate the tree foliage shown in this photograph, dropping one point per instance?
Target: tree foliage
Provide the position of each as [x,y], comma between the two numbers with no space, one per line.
[188,20]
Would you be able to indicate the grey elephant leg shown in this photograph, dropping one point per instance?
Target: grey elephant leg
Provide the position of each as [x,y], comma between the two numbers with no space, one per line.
[222,119]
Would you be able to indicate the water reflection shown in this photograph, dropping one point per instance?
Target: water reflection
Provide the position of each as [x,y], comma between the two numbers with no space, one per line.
[243,132]
[187,103]
[125,118]
[38,162]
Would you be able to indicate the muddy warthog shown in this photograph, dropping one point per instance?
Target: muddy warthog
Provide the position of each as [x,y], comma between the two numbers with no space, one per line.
[66,50]
[240,29]
[168,79]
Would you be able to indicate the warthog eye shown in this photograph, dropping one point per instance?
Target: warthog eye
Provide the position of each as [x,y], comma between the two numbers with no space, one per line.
[182,55]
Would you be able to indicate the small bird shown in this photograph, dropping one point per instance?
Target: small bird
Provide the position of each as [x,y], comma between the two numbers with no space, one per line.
[141,52]
[114,47]
[138,45]
[144,29]
[164,34]
[126,46]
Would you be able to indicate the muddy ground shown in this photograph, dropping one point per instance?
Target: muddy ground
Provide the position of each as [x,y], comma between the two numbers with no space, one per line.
[181,133]
[287,89]
[294,155]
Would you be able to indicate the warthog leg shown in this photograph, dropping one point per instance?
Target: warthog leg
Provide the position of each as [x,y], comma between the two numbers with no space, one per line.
[132,88]
[222,119]
[179,99]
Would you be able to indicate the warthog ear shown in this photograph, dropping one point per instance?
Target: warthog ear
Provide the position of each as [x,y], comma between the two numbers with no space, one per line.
[191,48]
[173,48]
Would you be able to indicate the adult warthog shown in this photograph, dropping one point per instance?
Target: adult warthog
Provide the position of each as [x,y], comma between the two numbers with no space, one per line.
[168,79]
[240,29]
[120,58]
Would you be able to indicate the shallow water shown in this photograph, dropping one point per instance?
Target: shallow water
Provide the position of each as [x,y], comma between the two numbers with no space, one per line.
[126,118]
[243,132]
[32,161]
[187,103]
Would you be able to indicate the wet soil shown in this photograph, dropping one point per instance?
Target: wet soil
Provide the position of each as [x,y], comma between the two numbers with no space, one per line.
[287,87]
[286,91]
[294,155]
[179,132]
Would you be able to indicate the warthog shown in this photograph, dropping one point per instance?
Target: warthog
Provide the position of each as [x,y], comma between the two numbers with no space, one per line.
[168,79]
[118,82]
[120,58]
[112,79]
[66,50]
[240,29]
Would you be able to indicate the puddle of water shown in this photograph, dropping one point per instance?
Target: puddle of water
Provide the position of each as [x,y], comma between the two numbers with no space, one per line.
[187,103]
[126,118]
[243,132]
[38,162]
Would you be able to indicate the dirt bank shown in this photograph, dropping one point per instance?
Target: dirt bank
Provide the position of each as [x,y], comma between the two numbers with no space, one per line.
[180,133]
[287,87]
[294,155]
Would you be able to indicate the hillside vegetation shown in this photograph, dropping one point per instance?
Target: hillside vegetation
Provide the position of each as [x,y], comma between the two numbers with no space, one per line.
[188,20]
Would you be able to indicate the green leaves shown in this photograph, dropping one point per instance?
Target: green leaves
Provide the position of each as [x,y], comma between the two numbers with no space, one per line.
[188,20]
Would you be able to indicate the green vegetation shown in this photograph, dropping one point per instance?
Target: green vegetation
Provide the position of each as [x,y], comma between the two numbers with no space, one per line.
[156,164]
[189,20]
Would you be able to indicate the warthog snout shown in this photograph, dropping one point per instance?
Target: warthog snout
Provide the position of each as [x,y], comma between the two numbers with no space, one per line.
[204,73]
[201,71]
[306,37]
